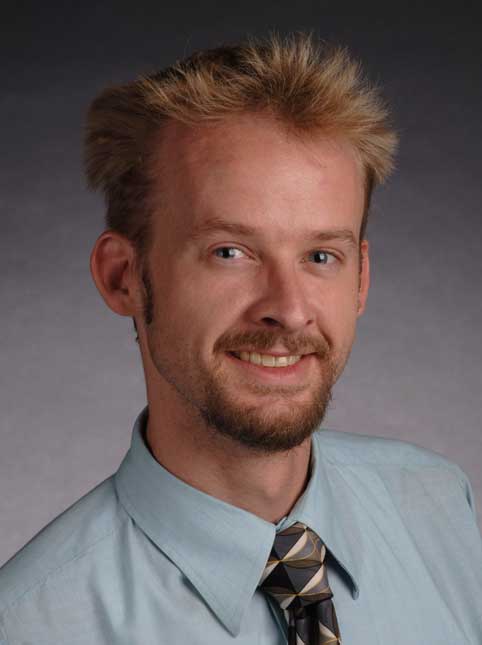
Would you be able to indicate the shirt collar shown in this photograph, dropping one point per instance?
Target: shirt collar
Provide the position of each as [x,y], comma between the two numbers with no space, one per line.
[220,548]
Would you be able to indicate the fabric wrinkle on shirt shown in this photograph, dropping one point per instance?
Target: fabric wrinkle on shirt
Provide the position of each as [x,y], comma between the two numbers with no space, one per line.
[145,558]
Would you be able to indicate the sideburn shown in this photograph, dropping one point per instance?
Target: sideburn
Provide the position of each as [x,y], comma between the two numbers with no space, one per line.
[148,305]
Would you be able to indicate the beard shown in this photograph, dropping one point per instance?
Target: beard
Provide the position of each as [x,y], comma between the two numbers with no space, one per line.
[278,422]
[278,425]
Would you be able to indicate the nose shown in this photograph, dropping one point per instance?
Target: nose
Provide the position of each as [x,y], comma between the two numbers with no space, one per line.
[281,300]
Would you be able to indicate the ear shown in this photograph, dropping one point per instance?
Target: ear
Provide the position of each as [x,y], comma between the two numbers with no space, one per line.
[364,281]
[113,268]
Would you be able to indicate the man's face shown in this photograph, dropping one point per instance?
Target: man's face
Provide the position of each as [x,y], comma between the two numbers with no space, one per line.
[276,290]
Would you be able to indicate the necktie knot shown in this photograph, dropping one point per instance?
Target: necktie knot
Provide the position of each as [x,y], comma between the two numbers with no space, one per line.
[295,573]
[295,576]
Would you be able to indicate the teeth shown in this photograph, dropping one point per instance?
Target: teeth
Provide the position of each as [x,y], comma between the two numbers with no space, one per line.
[266,360]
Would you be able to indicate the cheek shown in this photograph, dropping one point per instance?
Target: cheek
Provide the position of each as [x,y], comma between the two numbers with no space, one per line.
[343,290]
[338,312]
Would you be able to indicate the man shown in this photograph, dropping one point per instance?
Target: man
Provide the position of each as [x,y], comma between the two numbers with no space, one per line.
[238,184]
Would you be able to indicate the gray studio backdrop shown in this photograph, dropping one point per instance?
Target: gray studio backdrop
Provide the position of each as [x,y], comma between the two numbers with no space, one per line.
[71,378]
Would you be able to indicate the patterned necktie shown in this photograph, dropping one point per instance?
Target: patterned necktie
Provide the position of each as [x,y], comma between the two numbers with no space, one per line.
[296,577]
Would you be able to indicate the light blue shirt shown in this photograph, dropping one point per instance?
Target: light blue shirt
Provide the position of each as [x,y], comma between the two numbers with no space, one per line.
[146,559]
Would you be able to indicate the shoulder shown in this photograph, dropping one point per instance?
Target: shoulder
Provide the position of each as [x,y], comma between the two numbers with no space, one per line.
[358,449]
[389,456]
[75,534]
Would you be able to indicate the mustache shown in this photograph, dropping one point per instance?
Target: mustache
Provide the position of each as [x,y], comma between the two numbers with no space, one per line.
[263,343]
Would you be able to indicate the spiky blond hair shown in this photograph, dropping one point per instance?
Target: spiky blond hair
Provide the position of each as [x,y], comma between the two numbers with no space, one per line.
[303,82]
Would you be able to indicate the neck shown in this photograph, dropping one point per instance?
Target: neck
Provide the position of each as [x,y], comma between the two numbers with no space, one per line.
[266,485]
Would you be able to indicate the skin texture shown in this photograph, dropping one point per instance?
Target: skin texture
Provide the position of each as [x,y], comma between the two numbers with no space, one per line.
[215,424]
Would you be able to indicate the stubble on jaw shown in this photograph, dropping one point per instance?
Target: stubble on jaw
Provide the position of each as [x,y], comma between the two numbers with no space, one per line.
[257,427]
[230,422]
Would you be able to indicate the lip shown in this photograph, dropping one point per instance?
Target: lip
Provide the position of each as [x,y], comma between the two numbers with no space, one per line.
[271,352]
[276,374]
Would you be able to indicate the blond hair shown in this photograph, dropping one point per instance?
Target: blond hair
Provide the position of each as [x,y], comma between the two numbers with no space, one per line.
[305,83]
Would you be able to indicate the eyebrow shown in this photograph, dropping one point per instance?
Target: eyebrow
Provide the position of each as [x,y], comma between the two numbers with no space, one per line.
[215,224]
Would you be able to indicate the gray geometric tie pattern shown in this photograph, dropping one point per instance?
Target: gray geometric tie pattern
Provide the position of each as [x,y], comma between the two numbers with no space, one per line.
[296,577]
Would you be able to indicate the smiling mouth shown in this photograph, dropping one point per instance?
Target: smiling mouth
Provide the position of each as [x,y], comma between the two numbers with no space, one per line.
[269,361]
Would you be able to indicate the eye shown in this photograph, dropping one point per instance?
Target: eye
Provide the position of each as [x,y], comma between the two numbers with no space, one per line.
[225,255]
[324,257]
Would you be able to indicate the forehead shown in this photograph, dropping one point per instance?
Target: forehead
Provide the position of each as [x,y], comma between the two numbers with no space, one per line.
[254,168]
